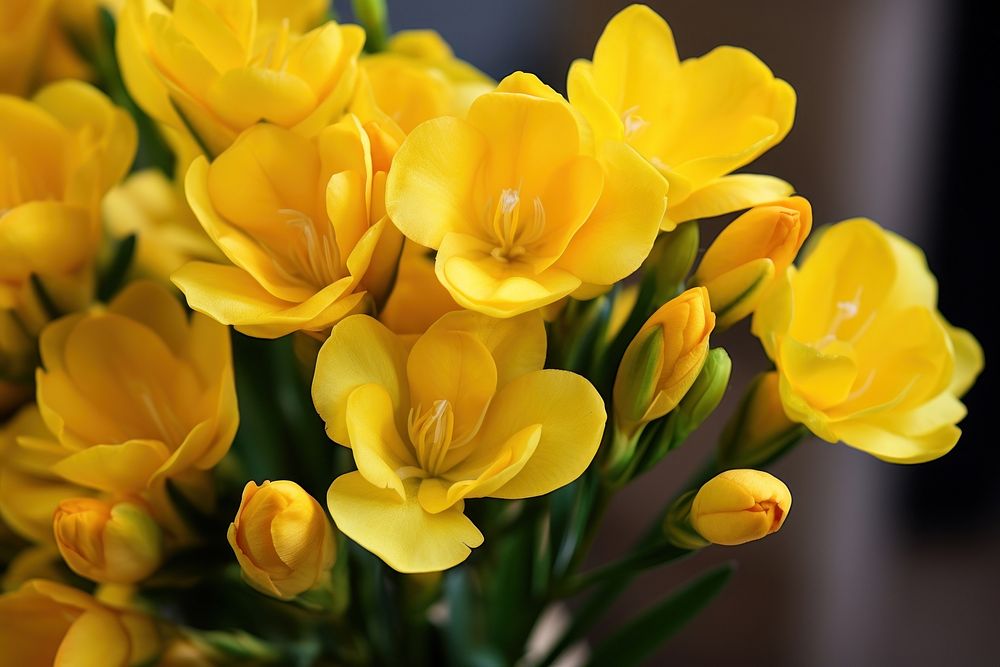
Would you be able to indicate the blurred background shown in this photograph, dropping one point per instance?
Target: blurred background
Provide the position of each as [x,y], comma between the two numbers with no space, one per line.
[878,563]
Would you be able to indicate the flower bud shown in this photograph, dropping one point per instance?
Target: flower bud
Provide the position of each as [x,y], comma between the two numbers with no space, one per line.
[759,429]
[743,260]
[117,543]
[663,360]
[282,539]
[707,391]
[740,506]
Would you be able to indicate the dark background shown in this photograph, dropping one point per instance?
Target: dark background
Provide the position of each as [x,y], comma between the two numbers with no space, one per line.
[878,563]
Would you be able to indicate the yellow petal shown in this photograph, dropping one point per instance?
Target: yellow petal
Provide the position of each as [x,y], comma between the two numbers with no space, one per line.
[896,448]
[417,299]
[571,414]
[627,218]
[121,468]
[439,494]
[969,360]
[428,192]
[632,56]
[95,639]
[231,296]
[242,97]
[735,294]
[239,170]
[915,284]
[452,366]
[151,305]
[141,78]
[585,96]
[378,449]
[735,110]
[568,201]
[728,194]
[517,344]
[85,110]
[44,237]
[825,379]
[400,532]
[478,281]
[209,31]
[773,315]
[529,139]
[359,351]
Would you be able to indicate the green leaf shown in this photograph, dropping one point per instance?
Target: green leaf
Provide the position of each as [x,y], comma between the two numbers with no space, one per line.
[640,637]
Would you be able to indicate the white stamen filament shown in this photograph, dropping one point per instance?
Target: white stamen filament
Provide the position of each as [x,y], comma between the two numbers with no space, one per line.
[632,121]
[511,231]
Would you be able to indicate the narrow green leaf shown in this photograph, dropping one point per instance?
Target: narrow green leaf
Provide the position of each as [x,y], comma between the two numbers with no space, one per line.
[640,638]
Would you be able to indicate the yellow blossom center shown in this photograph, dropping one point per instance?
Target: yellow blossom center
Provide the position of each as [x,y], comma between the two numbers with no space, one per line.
[632,121]
[512,228]
[844,312]
[312,256]
[431,433]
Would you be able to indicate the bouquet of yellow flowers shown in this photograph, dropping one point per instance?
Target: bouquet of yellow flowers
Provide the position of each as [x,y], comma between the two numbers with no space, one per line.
[320,347]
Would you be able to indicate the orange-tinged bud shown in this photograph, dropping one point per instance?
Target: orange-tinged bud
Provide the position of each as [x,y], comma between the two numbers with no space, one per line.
[740,506]
[743,260]
[118,543]
[282,539]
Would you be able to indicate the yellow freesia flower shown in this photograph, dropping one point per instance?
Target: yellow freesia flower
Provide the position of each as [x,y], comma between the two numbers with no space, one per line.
[467,412]
[137,394]
[59,154]
[696,120]
[739,506]
[30,491]
[418,78]
[522,208]
[108,542]
[742,262]
[302,220]
[863,355]
[168,235]
[44,623]
[417,299]
[213,69]
[282,539]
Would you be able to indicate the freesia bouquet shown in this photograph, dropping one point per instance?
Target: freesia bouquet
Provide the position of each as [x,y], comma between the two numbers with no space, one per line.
[320,347]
